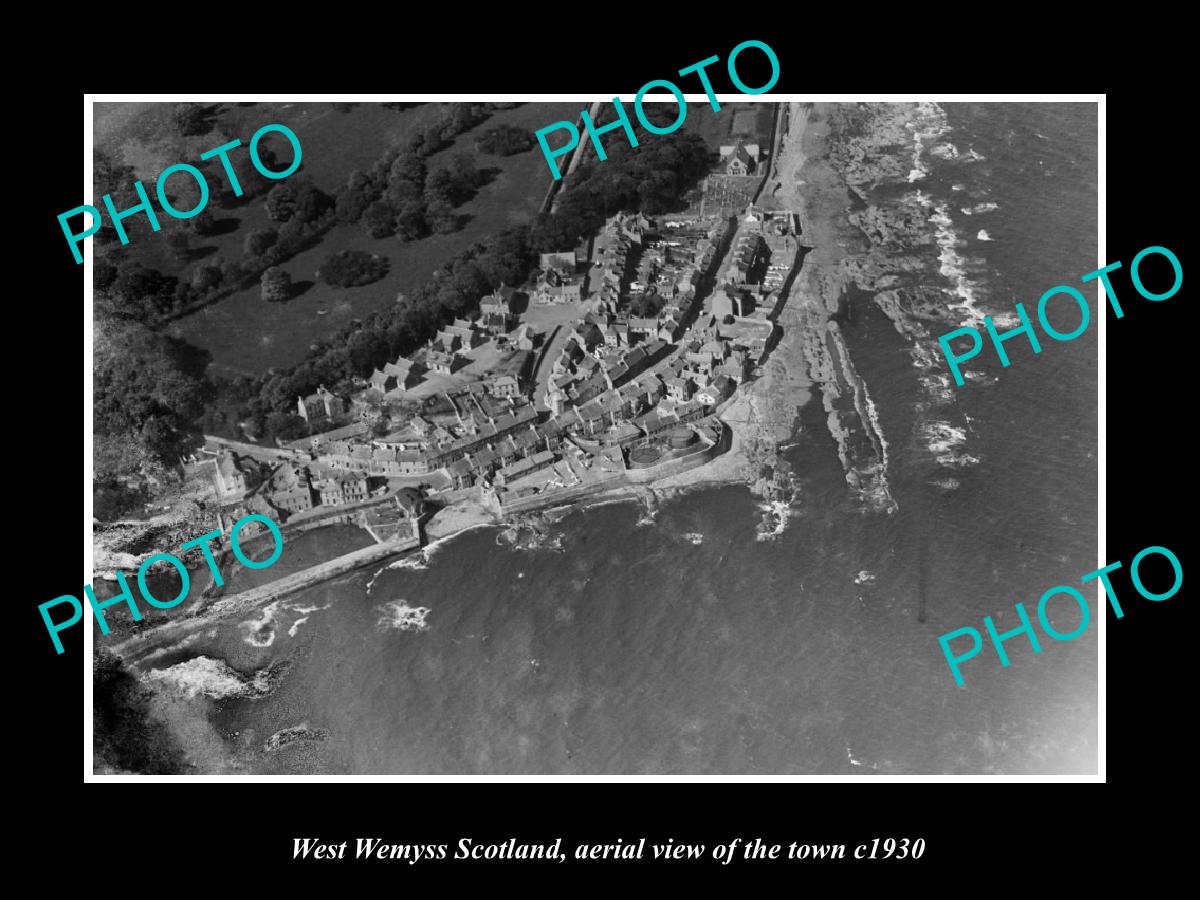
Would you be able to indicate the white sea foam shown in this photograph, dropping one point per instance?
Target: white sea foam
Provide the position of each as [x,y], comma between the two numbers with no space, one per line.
[260,632]
[296,626]
[941,437]
[928,127]
[924,357]
[953,265]
[782,513]
[944,151]
[864,577]
[978,208]
[304,615]
[957,460]
[371,583]
[982,377]
[286,737]
[983,236]
[207,677]
[938,387]
[433,547]
[399,616]
[873,415]
[695,537]
[945,441]
[956,187]
[973,155]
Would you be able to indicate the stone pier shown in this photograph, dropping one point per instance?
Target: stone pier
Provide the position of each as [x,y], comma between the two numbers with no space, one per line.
[245,602]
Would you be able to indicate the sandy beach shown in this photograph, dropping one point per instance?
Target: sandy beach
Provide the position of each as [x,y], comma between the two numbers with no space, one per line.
[458,517]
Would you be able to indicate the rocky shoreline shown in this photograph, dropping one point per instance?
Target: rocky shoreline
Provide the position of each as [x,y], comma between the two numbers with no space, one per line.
[846,171]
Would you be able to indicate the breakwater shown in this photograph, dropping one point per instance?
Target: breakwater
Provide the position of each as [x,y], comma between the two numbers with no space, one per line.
[242,603]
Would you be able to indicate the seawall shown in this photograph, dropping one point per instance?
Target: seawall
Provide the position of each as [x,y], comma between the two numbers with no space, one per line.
[629,481]
[139,646]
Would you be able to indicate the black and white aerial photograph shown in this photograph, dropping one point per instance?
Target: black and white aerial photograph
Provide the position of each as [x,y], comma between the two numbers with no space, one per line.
[656,468]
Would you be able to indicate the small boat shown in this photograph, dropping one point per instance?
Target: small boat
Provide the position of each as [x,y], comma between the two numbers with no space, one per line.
[321,312]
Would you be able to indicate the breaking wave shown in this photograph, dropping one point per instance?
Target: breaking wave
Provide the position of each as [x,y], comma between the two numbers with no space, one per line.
[260,632]
[397,615]
[928,127]
[946,441]
[285,737]
[207,677]
[953,265]
[978,208]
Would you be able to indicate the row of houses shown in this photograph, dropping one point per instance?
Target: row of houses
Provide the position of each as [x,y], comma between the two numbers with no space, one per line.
[611,252]
[497,450]
[444,356]
[595,360]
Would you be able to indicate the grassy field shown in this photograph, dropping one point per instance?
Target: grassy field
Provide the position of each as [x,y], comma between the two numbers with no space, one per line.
[243,333]
[717,128]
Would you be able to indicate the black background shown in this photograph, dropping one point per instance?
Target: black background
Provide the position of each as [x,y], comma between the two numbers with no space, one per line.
[985,833]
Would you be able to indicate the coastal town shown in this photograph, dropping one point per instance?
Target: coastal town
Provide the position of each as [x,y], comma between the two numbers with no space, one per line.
[614,364]
[604,375]
[562,472]
[609,368]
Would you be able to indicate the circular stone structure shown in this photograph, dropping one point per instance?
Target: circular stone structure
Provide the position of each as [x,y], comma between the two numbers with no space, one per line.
[645,456]
[681,436]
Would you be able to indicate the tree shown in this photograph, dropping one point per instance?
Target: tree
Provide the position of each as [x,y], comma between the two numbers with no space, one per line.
[143,293]
[252,182]
[148,389]
[464,171]
[103,275]
[410,221]
[367,349]
[204,224]
[287,426]
[440,187]
[115,179]
[355,197]
[276,285]
[440,216]
[162,438]
[310,202]
[192,118]
[646,305]
[379,221]
[206,277]
[281,202]
[257,242]
[177,240]
[504,140]
[351,268]
[406,179]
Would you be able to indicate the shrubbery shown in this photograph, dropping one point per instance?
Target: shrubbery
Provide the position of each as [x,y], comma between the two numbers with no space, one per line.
[352,268]
[125,736]
[504,140]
